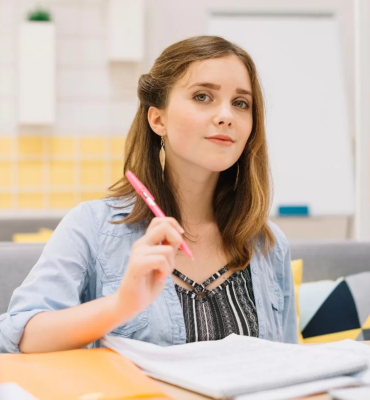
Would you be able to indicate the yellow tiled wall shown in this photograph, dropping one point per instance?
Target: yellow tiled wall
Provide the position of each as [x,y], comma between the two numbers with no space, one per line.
[43,172]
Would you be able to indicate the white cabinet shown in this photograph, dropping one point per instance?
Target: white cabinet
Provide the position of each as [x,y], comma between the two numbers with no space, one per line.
[37,73]
[126,30]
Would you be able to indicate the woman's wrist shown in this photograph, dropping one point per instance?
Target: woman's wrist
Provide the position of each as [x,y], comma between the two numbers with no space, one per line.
[122,311]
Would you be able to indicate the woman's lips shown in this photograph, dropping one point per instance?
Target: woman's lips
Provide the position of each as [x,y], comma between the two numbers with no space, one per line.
[221,142]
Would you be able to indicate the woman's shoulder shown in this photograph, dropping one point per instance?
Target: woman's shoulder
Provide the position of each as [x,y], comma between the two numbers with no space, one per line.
[100,212]
[281,241]
[110,207]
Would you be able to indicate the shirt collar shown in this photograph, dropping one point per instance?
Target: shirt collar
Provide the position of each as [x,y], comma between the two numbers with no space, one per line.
[126,206]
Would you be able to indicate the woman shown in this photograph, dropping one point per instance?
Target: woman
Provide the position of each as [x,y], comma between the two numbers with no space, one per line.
[198,143]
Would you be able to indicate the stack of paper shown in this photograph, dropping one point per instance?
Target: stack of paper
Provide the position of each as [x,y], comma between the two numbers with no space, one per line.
[323,385]
[244,367]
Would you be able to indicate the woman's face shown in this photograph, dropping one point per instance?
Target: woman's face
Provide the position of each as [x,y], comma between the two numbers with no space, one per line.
[214,97]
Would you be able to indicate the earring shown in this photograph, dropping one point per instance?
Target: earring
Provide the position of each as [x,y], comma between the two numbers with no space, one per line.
[237,176]
[162,157]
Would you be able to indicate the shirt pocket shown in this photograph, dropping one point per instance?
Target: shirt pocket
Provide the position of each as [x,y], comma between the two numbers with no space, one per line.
[129,328]
[277,306]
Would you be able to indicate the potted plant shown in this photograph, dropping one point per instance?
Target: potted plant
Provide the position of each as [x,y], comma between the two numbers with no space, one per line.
[39,14]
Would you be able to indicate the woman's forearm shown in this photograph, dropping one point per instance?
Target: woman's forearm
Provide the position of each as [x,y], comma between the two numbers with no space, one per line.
[73,328]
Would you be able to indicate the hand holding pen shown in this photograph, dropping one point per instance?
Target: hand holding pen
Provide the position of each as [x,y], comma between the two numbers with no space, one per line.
[150,201]
[150,264]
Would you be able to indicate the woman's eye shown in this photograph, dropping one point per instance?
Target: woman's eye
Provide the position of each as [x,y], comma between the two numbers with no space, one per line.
[241,104]
[201,97]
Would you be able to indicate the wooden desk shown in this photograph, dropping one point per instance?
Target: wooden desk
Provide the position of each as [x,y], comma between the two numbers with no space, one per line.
[182,394]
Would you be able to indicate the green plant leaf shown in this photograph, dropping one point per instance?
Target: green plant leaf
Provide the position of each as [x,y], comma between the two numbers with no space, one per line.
[39,15]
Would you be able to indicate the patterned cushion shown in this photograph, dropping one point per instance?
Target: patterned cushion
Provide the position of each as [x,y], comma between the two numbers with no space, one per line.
[335,310]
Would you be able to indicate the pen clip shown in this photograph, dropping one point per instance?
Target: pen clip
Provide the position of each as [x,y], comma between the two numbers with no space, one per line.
[148,196]
[140,188]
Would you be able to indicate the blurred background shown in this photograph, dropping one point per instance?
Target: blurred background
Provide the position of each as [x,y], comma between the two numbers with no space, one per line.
[68,78]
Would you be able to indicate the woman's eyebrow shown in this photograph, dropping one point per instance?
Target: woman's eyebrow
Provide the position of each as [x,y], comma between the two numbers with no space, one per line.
[218,87]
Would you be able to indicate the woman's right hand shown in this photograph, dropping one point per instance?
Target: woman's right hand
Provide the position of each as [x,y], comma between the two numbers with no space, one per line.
[149,266]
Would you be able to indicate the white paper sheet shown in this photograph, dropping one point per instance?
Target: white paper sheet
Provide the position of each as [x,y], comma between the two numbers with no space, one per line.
[303,389]
[237,364]
[12,391]
[361,393]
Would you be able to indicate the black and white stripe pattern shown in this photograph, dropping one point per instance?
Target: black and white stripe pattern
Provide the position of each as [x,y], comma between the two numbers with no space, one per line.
[213,315]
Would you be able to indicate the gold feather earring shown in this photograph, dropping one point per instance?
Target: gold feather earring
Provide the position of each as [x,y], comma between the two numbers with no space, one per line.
[237,176]
[162,157]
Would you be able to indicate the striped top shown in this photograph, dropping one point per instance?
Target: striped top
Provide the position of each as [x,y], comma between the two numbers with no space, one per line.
[228,308]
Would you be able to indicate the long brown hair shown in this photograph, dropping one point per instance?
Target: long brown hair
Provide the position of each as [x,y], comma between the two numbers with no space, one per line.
[241,215]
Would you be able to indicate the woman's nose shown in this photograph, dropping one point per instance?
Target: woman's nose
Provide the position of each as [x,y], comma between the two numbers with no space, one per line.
[225,121]
[224,117]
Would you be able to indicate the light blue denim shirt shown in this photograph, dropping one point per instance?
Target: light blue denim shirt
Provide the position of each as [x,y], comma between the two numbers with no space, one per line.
[86,257]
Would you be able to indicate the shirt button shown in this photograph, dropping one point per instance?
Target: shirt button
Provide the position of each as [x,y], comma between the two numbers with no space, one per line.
[254,270]
[260,302]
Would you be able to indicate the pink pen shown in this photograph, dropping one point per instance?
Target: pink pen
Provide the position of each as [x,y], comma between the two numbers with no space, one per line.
[149,200]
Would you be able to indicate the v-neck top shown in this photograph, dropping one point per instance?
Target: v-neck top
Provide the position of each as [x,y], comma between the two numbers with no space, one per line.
[214,314]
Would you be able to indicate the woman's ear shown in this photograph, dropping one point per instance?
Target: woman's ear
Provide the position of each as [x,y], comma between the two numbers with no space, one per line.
[155,119]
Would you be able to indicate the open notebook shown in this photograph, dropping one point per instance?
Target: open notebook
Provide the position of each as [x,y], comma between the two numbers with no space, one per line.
[84,374]
[237,365]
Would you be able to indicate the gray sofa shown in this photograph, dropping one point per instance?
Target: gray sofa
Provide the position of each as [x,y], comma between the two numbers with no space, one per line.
[10,226]
[322,260]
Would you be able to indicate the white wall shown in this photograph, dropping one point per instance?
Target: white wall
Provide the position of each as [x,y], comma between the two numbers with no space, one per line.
[94,97]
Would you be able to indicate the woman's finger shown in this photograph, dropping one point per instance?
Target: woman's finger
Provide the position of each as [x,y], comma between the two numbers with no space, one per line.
[157,220]
[163,232]
[157,263]
[165,250]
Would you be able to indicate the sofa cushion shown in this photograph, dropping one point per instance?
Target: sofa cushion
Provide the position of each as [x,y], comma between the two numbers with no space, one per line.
[42,236]
[16,261]
[335,310]
[297,269]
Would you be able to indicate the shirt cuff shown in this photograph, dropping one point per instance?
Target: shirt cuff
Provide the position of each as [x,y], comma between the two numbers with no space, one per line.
[12,328]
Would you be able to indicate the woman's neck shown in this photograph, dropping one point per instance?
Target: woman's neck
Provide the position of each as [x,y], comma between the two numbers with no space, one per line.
[194,192]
